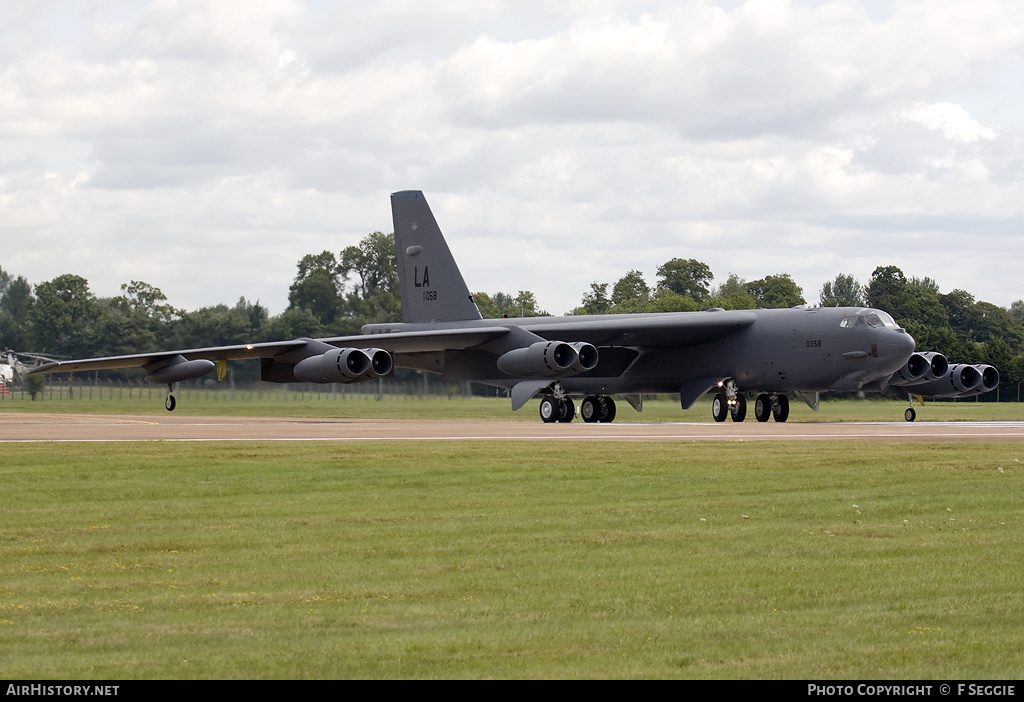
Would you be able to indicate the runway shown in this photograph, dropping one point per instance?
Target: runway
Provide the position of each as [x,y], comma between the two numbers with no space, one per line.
[27,427]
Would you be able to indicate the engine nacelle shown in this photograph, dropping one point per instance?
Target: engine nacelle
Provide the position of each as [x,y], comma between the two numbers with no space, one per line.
[989,377]
[921,368]
[586,357]
[344,366]
[547,359]
[961,380]
[381,362]
[176,369]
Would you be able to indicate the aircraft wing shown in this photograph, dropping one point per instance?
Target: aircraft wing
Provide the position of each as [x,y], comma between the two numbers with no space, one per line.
[643,329]
[398,342]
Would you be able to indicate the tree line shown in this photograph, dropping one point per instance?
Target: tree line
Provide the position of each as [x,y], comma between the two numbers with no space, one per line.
[336,294]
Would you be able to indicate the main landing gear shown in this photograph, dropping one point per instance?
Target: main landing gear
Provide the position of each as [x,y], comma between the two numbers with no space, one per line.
[733,404]
[562,409]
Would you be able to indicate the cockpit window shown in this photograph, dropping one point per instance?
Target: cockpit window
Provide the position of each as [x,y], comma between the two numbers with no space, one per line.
[876,319]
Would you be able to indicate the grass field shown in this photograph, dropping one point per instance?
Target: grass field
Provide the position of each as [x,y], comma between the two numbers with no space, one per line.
[276,402]
[740,560]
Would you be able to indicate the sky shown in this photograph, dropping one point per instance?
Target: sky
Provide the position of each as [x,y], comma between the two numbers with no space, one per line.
[206,147]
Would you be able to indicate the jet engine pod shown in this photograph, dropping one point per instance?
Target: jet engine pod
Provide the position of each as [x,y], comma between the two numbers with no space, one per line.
[586,356]
[544,359]
[336,366]
[381,363]
[920,368]
[176,369]
[913,370]
[989,377]
[964,378]
[961,380]
[939,365]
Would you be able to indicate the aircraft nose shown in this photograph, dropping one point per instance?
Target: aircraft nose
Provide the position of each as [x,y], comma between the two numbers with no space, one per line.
[897,345]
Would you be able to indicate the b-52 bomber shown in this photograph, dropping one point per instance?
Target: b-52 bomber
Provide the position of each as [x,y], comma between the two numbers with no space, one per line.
[766,355]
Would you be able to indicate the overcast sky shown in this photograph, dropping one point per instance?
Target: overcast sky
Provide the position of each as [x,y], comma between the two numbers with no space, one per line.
[205,147]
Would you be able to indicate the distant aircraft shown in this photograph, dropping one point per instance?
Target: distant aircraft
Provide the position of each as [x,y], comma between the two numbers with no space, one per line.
[767,355]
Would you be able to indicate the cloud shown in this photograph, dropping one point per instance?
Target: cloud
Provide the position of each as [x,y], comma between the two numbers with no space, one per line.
[206,147]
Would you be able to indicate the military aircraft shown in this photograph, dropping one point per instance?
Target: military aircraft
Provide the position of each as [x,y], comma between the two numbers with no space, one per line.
[768,355]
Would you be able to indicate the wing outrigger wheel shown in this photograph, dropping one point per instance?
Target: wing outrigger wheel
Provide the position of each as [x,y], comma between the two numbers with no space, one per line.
[170,403]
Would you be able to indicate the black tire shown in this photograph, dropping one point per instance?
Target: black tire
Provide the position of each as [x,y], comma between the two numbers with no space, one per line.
[780,408]
[719,407]
[566,411]
[738,412]
[549,409]
[910,415]
[763,408]
[170,403]
[590,409]
[608,410]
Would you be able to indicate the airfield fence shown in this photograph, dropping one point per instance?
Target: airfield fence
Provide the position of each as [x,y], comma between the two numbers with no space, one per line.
[62,389]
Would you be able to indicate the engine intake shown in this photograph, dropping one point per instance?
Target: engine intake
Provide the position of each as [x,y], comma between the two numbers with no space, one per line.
[345,365]
[921,368]
[989,377]
[547,359]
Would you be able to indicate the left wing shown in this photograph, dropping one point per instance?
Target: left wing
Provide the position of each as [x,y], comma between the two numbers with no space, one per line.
[193,363]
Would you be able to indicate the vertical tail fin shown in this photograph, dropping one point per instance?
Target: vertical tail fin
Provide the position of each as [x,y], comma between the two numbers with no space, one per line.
[431,285]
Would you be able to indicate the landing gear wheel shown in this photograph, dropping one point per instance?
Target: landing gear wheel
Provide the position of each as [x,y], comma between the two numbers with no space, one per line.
[591,409]
[719,407]
[780,408]
[566,411]
[549,409]
[910,415]
[739,410]
[607,409]
[170,403]
[763,408]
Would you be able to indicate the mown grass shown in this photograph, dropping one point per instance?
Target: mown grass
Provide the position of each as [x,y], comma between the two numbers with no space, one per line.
[810,560]
[262,403]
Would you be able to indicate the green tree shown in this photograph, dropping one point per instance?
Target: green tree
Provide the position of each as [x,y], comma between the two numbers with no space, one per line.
[776,291]
[733,295]
[1017,311]
[596,301]
[525,303]
[665,300]
[62,317]
[484,303]
[631,293]
[686,277]
[317,288]
[886,289]
[500,304]
[293,323]
[15,306]
[844,291]
[373,262]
